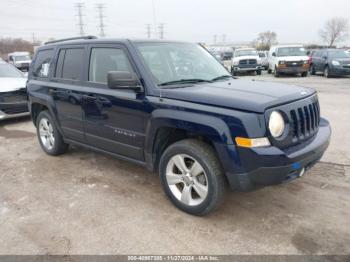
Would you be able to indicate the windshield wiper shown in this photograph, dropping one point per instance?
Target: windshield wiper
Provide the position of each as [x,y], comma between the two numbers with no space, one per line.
[221,77]
[184,81]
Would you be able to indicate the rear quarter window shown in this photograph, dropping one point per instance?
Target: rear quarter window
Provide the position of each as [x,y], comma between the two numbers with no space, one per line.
[43,63]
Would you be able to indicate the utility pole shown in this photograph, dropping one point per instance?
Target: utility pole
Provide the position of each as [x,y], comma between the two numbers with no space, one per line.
[80,6]
[100,16]
[161,31]
[148,26]
[223,38]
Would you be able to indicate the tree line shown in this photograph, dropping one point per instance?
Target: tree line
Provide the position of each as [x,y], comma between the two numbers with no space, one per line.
[9,45]
[334,31]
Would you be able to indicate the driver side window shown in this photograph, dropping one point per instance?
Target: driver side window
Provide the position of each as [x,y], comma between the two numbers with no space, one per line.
[104,60]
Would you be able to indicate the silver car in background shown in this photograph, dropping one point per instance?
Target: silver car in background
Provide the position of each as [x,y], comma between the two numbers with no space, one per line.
[13,93]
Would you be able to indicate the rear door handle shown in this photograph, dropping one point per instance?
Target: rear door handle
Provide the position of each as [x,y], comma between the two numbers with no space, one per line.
[53,91]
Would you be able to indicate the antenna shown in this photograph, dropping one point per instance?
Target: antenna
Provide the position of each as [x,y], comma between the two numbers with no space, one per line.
[80,6]
[101,16]
[148,32]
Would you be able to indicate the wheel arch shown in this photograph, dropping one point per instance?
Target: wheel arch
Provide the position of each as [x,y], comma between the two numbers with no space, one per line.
[163,131]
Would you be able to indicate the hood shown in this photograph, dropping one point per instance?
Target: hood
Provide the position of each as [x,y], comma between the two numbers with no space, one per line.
[246,57]
[9,84]
[247,95]
[23,62]
[292,58]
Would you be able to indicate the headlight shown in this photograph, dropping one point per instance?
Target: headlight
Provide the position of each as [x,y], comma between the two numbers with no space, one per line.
[276,124]
[235,63]
[281,62]
[306,62]
[335,63]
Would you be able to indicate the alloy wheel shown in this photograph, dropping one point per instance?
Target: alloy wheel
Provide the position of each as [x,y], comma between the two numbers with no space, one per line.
[46,133]
[187,180]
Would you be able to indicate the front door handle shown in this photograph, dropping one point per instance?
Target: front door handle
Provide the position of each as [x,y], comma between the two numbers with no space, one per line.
[89,97]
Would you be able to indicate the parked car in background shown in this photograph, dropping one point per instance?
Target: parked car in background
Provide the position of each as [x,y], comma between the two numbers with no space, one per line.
[171,107]
[331,62]
[288,59]
[21,60]
[13,94]
[263,55]
[246,60]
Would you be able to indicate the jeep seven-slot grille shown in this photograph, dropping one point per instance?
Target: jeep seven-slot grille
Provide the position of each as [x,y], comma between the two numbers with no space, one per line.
[305,121]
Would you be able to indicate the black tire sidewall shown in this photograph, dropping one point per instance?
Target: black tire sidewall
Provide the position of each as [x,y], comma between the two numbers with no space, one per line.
[212,180]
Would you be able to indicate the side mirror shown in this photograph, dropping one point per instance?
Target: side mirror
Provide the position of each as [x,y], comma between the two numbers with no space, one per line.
[123,80]
[273,54]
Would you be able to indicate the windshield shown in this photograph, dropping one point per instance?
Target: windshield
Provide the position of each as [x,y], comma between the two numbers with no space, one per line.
[338,54]
[291,51]
[21,58]
[246,52]
[171,62]
[7,70]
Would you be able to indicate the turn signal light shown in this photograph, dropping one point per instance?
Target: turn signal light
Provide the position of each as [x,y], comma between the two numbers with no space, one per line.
[252,142]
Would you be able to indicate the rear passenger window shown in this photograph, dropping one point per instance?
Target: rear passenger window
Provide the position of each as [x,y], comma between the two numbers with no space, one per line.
[69,64]
[42,63]
[104,60]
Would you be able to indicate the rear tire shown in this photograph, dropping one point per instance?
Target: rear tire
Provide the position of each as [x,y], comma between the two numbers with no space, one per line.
[304,74]
[258,72]
[276,73]
[50,139]
[192,176]
[269,71]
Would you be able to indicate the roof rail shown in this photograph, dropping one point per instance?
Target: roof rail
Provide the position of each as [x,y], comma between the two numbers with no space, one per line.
[71,38]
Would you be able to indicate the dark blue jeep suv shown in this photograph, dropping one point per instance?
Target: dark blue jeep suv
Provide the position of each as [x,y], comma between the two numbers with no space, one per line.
[172,107]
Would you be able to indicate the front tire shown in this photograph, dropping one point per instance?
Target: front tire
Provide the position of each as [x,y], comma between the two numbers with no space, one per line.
[258,72]
[192,176]
[304,74]
[313,70]
[276,73]
[49,137]
[326,72]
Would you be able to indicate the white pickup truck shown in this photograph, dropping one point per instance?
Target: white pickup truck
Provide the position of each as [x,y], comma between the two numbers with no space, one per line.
[21,60]
[246,60]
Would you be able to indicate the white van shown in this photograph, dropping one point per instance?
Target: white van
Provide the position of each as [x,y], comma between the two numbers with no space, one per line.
[288,59]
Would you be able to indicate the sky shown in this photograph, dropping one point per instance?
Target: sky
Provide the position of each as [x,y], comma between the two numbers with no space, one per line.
[294,21]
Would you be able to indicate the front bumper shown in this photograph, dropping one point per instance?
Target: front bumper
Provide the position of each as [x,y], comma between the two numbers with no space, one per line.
[339,71]
[13,110]
[247,69]
[293,70]
[270,165]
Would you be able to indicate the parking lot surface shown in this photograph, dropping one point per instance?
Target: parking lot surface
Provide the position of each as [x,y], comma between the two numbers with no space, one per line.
[88,203]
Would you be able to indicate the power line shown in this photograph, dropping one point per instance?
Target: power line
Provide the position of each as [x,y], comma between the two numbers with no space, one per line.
[100,16]
[80,6]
